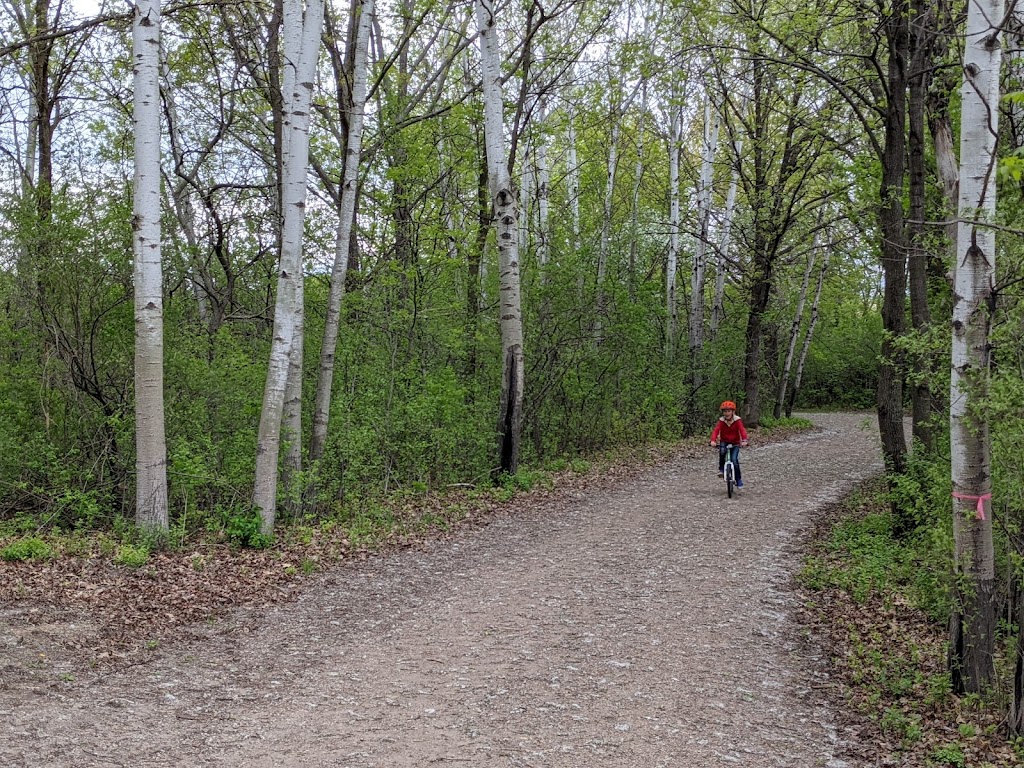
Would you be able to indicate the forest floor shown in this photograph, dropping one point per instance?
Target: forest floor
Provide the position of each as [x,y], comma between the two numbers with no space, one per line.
[632,618]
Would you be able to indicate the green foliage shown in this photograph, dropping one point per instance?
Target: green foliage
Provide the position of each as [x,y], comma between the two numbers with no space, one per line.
[865,557]
[132,555]
[950,755]
[242,527]
[27,549]
[769,423]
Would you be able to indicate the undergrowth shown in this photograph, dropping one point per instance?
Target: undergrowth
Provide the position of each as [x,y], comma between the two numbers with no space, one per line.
[880,597]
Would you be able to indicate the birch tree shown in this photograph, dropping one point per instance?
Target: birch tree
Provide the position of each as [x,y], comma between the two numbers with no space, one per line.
[672,266]
[150,444]
[543,193]
[616,112]
[722,254]
[699,267]
[972,626]
[510,411]
[286,310]
[810,334]
[794,332]
[325,378]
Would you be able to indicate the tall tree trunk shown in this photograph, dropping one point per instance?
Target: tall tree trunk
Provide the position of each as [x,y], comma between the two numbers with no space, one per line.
[697,275]
[573,180]
[600,308]
[286,311]
[510,412]
[794,331]
[526,191]
[150,443]
[543,194]
[924,404]
[474,280]
[634,228]
[291,421]
[972,625]
[343,235]
[722,257]
[672,266]
[795,389]
[889,396]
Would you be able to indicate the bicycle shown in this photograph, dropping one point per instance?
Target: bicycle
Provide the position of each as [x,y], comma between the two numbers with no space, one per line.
[729,468]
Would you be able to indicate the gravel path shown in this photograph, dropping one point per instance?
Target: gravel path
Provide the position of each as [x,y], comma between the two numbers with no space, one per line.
[646,625]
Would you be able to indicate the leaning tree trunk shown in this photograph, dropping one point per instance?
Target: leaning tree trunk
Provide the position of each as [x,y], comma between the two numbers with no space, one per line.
[972,624]
[151,446]
[794,331]
[343,235]
[510,412]
[286,312]
[795,389]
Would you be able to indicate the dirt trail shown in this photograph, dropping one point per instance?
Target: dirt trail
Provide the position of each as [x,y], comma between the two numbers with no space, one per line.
[647,625]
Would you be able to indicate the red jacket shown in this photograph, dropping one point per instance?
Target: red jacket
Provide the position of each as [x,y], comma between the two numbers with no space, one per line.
[733,433]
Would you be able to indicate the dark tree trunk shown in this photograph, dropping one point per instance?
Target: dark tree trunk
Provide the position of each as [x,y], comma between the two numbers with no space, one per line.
[759,296]
[924,405]
[1016,718]
[889,396]
[970,657]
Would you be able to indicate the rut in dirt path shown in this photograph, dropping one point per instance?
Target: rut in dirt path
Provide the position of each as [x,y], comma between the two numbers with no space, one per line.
[647,625]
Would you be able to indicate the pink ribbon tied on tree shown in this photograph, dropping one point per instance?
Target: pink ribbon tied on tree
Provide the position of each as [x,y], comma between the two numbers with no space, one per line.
[980,509]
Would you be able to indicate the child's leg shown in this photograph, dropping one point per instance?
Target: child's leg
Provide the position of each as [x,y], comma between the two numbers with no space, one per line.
[736,463]
[721,457]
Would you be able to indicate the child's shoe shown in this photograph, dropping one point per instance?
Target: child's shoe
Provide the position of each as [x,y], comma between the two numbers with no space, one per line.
[739,483]
[721,474]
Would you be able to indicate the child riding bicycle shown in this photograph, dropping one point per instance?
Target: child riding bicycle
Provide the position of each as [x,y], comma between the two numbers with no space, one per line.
[729,430]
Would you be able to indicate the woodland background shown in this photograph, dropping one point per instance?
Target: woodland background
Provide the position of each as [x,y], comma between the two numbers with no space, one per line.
[714,200]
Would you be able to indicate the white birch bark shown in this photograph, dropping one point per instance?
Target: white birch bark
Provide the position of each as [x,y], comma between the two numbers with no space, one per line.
[722,257]
[343,234]
[150,443]
[810,333]
[697,276]
[286,309]
[543,193]
[506,216]
[672,267]
[525,191]
[606,223]
[573,180]
[973,625]
[634,239]
[794,331]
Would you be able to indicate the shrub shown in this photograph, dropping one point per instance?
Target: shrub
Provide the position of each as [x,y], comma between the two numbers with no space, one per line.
[27,549]
[242,528]
[131,556]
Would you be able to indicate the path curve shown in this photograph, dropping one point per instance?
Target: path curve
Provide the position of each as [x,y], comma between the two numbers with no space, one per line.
[646,625]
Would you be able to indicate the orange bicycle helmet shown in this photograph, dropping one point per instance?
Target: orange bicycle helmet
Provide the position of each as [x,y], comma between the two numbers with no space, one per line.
[727,404]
